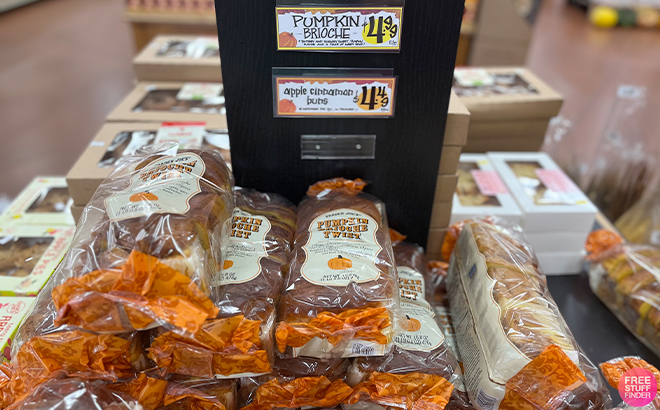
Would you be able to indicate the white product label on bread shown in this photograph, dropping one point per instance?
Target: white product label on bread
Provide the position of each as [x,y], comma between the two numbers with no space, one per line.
[247,245]
[189,135]
[342,248]
[421,332]
[412,288]
[165,185]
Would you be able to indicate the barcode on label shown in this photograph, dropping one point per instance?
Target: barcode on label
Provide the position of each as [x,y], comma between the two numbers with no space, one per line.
[362,350]
[485,401]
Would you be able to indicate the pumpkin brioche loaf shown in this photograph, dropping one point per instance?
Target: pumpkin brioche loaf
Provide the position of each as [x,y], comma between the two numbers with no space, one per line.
[421,371]
[511,329]
[239,342]
[145,251]
[342,279]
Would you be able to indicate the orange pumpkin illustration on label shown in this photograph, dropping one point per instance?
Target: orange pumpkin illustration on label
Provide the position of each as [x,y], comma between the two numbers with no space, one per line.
[228,264]
[287,106]
[287,40]
[143,196]
[413,325]
[340,263]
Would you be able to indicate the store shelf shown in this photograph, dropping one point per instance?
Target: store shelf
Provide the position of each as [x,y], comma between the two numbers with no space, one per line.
[170,18]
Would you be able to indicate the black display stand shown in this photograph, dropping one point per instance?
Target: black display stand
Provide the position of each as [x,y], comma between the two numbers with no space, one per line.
[266,151]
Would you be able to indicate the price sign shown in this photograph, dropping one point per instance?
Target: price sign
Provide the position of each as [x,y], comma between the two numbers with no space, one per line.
[356,28]
[333,97]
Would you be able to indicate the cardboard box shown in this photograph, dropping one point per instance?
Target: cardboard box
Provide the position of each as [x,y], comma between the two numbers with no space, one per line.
[29,255]
[12,311]
[445,188]
[524,135]
[561,263]
[434,243]
[480,191]
[179,58]
[44,201]
[505,94]
[449,159]
[173,102]
[458,122]
[549,200]
[76,211]
[115,140]
[441,214]
[553,242]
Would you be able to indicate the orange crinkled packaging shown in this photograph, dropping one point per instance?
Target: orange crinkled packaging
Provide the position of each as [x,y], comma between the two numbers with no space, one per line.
[341,286]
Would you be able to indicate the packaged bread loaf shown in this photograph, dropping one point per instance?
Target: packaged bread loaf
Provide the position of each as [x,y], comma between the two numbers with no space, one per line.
[626,278]
[518,352]
[297,383]
[615,369]
[246,292]
[420,371]
[146,249]
[341,286]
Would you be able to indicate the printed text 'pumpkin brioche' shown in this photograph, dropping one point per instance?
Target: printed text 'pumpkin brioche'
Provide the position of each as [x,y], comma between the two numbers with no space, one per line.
[341,287]
[421,371]
[511,329]
[625,279]
[146,250]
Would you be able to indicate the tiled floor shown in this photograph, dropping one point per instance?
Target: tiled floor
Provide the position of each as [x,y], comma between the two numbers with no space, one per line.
[64,64]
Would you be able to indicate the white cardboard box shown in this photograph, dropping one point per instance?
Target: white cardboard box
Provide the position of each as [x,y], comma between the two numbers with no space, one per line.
[558,241]
[12,312]
[561,263]
[44,201]
[549,200]
[481,191]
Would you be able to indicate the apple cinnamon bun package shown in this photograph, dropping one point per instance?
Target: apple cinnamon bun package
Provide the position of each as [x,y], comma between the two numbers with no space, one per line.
[246,291]
[517,349]
[421,371]
[625,277]
[340,296]
[145,251]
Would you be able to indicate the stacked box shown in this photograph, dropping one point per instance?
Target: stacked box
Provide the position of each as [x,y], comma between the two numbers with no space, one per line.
[557,216]
[179,58]
[44,201]
[12,311]
[456,131]
[173,101]
[117,140]
[510,108]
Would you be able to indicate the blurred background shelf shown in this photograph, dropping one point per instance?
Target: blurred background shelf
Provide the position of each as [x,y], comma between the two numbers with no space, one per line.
[147,25]
[6,5]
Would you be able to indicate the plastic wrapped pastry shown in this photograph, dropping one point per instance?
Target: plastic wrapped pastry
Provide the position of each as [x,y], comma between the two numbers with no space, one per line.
[614,369]
[341,288]
[246,291]
[420,371]
[521,353]
[146,249]
[625,279]
[297,383]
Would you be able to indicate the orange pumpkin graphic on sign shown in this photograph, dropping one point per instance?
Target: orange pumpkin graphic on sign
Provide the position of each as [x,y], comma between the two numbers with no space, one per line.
[340,263]
[287,40]
[228,264]
[287,106]
[143,196]
[413,325]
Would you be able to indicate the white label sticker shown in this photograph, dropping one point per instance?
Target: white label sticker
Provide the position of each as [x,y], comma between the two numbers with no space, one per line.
[199,91]
[411,287]
[334,96]
[246,248]
[655,237]
[347,28]
[473,77]
[341,249]
[422,333]
[163,186]
[96,144]
[187,135]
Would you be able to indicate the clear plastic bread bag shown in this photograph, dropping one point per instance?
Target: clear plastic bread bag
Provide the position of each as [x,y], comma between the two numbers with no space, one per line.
[147,247]
[421,371]
[641,223]
[614,370]
[246,292]
[518,351]
[340,296]
[626,278]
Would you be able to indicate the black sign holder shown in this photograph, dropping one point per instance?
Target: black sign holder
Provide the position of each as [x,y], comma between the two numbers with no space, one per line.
[267,152]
